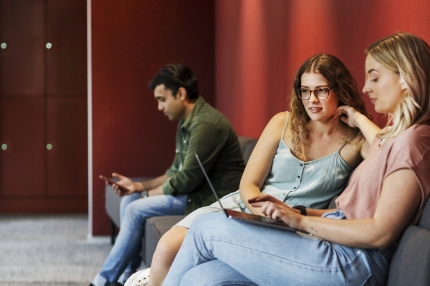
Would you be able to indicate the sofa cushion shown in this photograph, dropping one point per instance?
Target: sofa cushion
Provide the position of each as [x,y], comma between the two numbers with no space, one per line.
[155,227]
[247,144]
[425,217]
[410,264]
[113,201]
[163,223]
[112,204]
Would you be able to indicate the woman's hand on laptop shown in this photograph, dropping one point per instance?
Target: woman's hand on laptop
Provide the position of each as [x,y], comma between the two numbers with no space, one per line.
[276,209]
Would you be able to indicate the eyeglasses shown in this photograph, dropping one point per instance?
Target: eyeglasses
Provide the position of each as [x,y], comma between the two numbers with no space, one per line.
[321,93]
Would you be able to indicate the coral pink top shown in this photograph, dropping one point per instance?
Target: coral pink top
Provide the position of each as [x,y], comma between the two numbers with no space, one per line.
[409,150]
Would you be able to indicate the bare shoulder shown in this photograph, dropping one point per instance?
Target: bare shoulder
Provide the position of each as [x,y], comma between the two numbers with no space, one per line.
[273,131]
[279,119]
[276,125]
[351,152]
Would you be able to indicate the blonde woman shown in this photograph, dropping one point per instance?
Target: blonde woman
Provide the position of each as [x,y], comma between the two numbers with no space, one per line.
[350,245]
[303,157]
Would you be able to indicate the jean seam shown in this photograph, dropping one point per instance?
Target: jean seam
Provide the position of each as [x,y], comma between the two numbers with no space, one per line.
[292,262]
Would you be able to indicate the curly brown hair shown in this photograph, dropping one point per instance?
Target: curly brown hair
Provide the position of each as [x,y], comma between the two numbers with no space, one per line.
[342,82]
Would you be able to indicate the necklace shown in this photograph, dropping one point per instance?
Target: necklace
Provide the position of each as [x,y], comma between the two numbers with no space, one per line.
[381,142]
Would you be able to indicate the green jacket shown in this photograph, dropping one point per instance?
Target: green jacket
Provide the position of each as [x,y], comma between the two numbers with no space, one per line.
[208,133]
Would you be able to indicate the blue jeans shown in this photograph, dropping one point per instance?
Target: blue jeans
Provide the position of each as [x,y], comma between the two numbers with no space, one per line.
[136,260]
[221,251]
[126,251]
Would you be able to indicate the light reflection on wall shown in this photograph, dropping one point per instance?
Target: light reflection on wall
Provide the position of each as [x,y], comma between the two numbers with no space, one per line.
[260,45]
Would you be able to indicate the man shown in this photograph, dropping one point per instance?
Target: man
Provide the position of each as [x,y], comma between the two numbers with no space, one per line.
[183,188]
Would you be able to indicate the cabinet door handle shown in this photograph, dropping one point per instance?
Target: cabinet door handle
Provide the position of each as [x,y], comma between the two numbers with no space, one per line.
[48,45]
[49,146]
[4,147]
[3,45]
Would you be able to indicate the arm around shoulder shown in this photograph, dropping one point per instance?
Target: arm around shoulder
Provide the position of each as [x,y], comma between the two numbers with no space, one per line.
[369,131]
[355,119]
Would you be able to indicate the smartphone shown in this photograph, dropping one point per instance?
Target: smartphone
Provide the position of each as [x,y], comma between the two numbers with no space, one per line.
[110,182]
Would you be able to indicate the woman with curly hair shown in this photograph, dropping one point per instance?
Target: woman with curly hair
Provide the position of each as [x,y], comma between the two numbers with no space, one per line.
[303,157]
[352,244]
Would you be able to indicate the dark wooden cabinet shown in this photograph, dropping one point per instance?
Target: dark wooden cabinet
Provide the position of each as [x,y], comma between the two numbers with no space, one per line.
[43,111]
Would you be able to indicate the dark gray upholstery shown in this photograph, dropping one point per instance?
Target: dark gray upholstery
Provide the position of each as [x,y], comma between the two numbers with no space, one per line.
[247,145]
[425,217]
[332,204]
[157,226]
[411,261]
[112,204]
[410,264]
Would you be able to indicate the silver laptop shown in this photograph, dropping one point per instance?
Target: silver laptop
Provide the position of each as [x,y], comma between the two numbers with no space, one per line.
[247,217]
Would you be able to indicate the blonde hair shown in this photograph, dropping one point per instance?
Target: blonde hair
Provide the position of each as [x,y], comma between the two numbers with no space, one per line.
[409,57]
[342,82]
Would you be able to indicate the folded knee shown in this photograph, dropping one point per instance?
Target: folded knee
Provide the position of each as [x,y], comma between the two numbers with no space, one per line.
[171,241]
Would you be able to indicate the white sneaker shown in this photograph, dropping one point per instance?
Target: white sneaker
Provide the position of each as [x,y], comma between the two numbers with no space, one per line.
[140,278]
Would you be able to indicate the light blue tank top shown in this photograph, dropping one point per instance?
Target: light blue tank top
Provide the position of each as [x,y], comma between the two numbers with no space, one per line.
[312,184]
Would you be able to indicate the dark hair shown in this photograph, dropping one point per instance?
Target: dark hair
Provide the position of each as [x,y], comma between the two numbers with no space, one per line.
[342,82]
[173,77]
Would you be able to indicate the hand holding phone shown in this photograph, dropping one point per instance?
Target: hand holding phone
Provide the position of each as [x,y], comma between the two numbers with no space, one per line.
[110,182]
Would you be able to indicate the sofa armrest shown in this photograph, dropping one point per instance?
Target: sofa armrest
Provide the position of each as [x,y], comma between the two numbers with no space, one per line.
[155,227]
[112,205]
[247,144]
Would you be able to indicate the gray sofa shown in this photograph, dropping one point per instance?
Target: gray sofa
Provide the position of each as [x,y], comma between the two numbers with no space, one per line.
[410,264]
[411,261]
[156,226]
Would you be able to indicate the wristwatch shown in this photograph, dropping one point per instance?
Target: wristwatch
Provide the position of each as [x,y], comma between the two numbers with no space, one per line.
[144,194]
[302,209]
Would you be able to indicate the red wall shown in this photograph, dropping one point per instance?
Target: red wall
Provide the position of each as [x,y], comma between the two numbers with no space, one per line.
[261,44]
[251,47]
[131,40]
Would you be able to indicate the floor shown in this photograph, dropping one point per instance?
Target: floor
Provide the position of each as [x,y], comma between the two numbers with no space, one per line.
[51,250]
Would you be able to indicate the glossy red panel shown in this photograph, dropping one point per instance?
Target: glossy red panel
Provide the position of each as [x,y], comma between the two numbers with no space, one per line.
[67,59]
[259,46]
[22,30]
[23,161]
[131,40]
[44,205]
[67,160]
[28,120]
